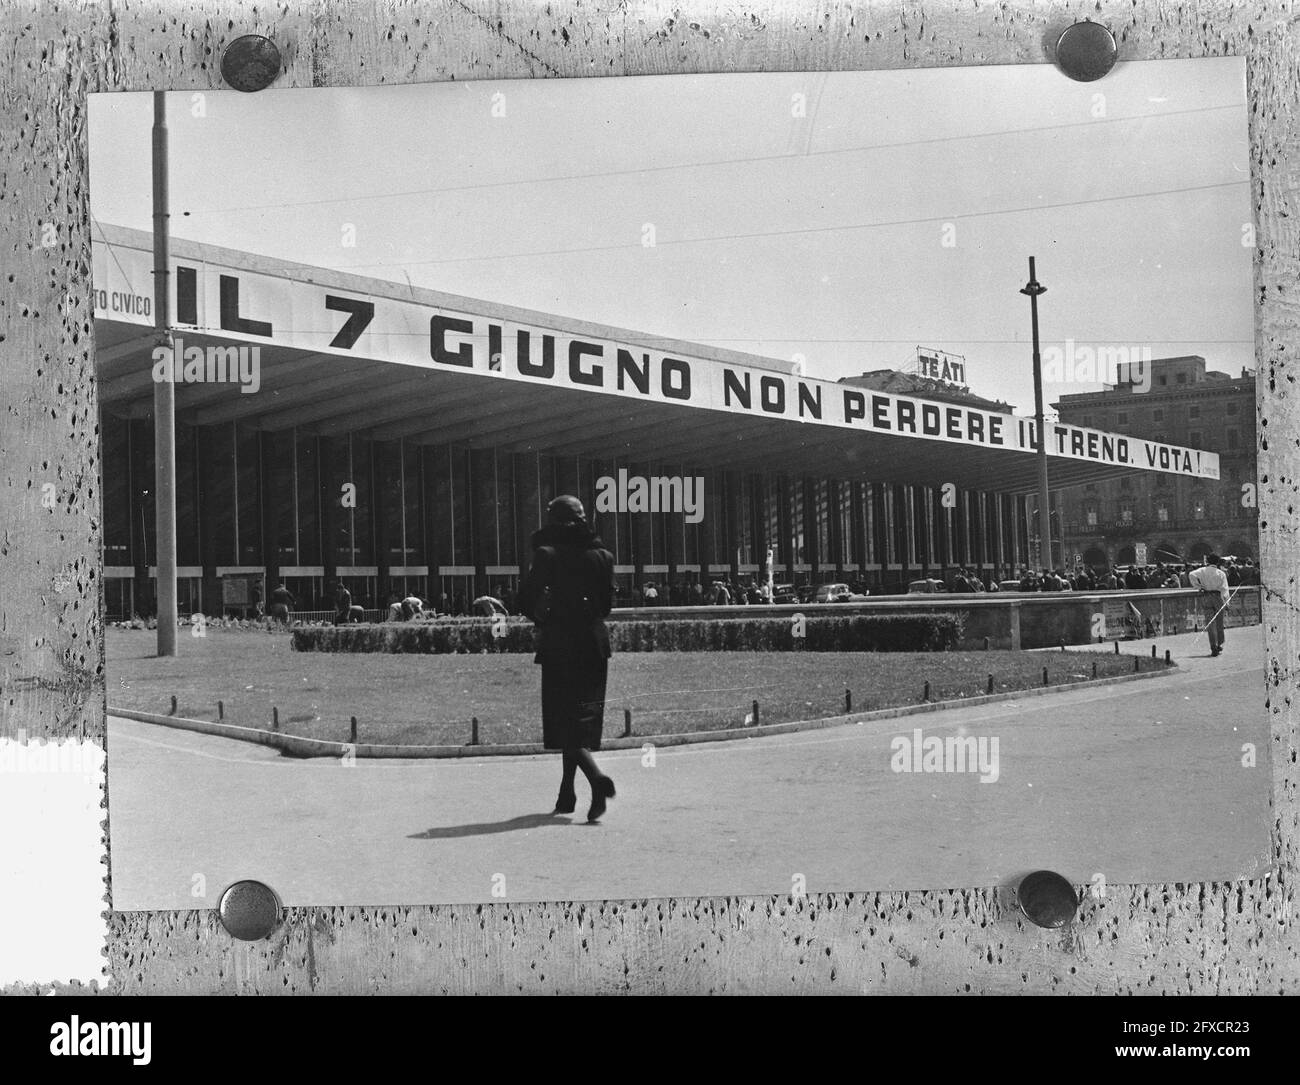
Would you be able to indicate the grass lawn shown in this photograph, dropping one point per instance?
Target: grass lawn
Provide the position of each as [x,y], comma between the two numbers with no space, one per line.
[429,699]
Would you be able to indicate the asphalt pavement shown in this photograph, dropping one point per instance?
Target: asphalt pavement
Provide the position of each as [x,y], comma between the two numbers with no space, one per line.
[1136,782]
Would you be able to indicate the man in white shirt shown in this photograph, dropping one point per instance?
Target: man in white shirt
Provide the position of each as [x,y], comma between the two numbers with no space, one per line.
[1213,584]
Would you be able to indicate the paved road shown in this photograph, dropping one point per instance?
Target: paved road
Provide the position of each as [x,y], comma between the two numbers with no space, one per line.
[1139,781]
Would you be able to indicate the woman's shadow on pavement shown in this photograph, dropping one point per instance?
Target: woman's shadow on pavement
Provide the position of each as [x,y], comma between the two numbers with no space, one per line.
[488,828]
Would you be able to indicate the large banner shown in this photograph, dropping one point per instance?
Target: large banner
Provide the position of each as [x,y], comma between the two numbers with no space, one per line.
[255,307]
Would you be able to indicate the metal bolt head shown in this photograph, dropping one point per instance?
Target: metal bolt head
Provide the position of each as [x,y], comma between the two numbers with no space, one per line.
[249,910]
[250,63]
[1047,899]
[1086,51]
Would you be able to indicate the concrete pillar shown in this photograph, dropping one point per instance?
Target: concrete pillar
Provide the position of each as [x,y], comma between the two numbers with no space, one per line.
[732,530]
[327,500]
[646,548]
[835,495]
[566,476]
[923,527]
[943,540]
[811,528]
[210,462]
[379,460]
[883,542]
[902,524]
[528,508]
[270,504]
[483,514]
[785,545]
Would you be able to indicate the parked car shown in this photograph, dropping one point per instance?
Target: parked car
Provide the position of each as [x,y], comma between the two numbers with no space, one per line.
[838,593]
[1009,585]
[805,593]
[784,593]
[923,587]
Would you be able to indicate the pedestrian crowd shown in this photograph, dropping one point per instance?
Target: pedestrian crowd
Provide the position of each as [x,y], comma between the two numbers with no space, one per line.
[1130,577]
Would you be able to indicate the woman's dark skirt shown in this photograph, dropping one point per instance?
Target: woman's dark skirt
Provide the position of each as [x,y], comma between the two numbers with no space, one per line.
[573,703]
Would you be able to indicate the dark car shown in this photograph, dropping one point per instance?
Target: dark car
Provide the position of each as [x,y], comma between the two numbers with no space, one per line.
[784,593]
[923,587]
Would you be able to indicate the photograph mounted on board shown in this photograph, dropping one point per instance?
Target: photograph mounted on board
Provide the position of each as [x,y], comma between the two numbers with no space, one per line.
[680,486]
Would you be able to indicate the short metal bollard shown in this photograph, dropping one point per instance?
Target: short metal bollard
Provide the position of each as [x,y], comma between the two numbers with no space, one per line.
[990,683]
[221,711]
[173,711]
[1167,659]
[275,718]
[848,700]
[627,722]
[473,731]
[755,713]
[926,695]
[1044,676]
[353,732]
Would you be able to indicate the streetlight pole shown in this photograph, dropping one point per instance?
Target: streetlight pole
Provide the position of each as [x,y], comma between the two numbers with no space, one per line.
[164,395]
[1032,289]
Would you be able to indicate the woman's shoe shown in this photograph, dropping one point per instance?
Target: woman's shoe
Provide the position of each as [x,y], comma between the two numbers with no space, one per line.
[565,804]
[603,791]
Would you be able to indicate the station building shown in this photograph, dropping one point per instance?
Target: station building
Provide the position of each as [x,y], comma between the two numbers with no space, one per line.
[330,426]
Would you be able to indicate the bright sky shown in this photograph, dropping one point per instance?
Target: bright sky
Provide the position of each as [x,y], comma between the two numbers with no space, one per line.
[845,217]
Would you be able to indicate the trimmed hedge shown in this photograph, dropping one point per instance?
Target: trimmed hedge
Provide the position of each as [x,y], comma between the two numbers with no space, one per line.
[850,633]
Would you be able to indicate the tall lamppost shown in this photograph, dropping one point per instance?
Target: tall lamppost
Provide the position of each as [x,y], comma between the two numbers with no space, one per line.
[1032,289]
[164,395]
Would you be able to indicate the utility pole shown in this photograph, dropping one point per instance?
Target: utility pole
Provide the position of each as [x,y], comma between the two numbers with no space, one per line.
[1032,289]
[164,394]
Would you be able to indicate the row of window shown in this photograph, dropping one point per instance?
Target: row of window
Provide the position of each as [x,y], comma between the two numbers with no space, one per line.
[1199,509]
[1122,418]
[1166,481]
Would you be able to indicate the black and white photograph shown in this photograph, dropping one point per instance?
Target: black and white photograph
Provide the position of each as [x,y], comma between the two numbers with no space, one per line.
[680,486]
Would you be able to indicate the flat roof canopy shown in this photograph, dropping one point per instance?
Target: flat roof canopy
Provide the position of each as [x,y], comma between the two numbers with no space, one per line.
[326,395]
[339,353]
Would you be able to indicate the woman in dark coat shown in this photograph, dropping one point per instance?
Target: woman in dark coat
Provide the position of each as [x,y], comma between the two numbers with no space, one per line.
[568,592]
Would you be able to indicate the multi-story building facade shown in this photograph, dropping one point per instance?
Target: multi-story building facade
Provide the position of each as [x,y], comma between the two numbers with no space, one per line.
[1180,401]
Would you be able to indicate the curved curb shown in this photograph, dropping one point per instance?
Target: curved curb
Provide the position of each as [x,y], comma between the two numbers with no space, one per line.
[301,746]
